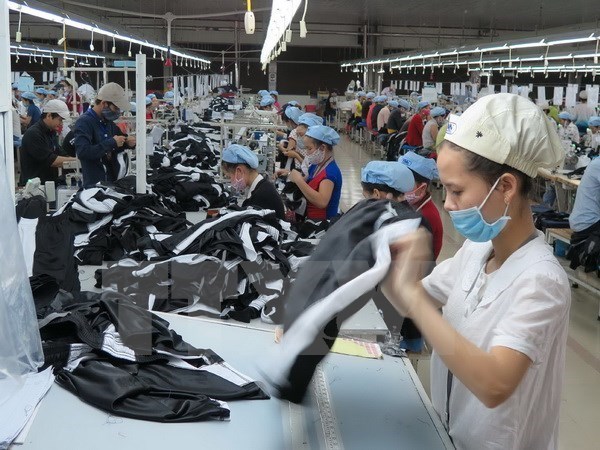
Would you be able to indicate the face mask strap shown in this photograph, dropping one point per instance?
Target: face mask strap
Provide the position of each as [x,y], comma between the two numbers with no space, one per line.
[490,193]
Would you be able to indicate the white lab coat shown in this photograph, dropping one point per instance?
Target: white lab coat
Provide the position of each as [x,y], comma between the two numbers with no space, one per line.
[524,305]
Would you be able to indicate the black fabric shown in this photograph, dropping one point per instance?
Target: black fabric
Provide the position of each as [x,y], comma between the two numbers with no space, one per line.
[265,196]
[54,252]
[32,207]
[365,109]
[68,145]
[394,142]
[343,254]
[544,217]
[39,149]
[212,274]
[144,386]
[585,249]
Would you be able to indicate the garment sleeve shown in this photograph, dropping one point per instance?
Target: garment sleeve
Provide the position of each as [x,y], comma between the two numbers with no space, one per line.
[440,282]
[83,142]
[541,304]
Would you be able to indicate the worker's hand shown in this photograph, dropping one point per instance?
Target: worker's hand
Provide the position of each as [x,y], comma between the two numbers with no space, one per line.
[295,176]
[281,173]
[131,141]
[411,259]
[120,140]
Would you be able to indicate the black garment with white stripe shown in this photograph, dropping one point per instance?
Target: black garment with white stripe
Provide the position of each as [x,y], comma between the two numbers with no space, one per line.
[337,280]
[126,361]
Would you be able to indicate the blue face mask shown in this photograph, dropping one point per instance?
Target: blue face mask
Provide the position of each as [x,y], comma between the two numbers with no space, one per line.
[110,115]
[471,224]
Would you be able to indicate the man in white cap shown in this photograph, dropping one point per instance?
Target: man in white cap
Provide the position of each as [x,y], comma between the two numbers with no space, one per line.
[39,147]
[500,342]
[582,112]
[98,140]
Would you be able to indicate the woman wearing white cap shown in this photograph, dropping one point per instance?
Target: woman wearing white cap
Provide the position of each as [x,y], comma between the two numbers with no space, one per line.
[322,187]
[499,346]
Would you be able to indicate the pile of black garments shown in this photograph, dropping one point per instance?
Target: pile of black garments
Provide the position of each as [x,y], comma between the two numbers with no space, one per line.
[191,189]
[585,249]
[108,223]
[230,266]
[127,362]
[195,145]
[219,104]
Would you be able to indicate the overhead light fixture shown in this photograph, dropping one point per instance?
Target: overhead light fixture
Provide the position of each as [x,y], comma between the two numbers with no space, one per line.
[249,20]
[64,35]
[302,22]
[18,34]
[65,20]
[282,13]
[92,42]
[114,47]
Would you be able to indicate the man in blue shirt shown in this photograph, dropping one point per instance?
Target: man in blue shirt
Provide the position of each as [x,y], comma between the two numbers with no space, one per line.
[586,211]
[98,141]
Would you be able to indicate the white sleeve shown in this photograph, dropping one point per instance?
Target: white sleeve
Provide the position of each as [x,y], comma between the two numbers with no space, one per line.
[445,275]
[540,303]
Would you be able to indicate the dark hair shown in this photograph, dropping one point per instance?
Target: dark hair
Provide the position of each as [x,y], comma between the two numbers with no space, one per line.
[230,167]
[370,187]
[319,143]
[490,171]
[420,178]
[52,115]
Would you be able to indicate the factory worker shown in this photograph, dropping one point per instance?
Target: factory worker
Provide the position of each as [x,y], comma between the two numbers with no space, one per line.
[366,106]
[266,104]
[51,95]
[592,136]
[262,93]
[149,108]
[322,187]
[275,96]
[499,345]
[398,116]
[389,180]
[568,130]
[41,94]
[294,146]
[305,121]
[414,137]
[70,87]
[384,116]
[240,164]
[582,112]
[33,113]
[546,108]
[431,128]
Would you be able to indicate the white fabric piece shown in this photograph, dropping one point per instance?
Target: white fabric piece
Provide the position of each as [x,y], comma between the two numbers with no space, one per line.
[248,245]
[20,401]
[525,307]
[27,229]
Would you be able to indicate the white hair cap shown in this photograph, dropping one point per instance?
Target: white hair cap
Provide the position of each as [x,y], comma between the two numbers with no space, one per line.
[508,129]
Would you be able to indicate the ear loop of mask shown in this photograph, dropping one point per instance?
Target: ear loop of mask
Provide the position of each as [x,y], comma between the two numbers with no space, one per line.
[490,194]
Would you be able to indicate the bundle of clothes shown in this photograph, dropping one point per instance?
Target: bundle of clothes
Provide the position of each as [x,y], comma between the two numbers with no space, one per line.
[127,361]
[237,265]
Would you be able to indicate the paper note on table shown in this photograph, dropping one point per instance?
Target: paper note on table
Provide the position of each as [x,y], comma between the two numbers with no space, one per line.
[354,347]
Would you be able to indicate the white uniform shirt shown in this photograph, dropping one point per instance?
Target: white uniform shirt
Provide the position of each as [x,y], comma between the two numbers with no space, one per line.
[524,305]
[569,133]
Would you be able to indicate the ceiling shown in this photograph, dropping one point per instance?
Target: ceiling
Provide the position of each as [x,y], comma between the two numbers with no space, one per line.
[395,24]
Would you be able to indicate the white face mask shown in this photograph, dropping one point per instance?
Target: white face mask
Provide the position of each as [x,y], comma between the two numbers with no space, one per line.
[317,157]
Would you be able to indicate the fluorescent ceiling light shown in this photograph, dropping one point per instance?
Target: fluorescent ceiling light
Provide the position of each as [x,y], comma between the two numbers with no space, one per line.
[58,53]
[496,48]
[26,9]
[541,43]
[574,40]
[282,14]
